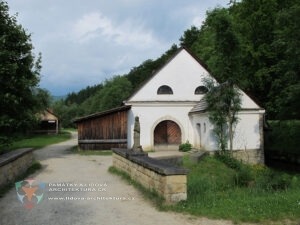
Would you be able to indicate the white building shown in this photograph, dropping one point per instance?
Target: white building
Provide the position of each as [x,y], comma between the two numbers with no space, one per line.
[171,112]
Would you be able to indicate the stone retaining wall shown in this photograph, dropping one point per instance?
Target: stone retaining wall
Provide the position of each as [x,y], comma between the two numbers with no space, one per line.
[168,181]
[14,164]
[251,156]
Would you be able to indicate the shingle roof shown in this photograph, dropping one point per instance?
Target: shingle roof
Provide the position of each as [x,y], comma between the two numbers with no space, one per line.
[200,106]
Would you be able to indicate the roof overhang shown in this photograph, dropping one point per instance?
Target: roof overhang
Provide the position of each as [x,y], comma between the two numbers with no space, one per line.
[103,113]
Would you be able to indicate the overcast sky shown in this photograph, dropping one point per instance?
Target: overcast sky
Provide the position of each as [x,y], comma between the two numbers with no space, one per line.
[84,42]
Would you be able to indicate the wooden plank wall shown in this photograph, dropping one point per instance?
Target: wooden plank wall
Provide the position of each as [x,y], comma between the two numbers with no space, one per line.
[103,132]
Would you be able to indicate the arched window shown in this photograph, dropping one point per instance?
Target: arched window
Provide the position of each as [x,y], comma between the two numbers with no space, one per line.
[201,90]
[164,90]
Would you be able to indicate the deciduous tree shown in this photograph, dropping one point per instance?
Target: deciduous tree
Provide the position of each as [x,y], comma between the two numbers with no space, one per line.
[19,76]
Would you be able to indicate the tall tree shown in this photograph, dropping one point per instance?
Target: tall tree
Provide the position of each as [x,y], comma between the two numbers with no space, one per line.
[189,37]
[19,75]
[224,101]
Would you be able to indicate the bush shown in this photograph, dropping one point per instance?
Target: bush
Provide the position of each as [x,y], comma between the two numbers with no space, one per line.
[228,160]
[283,137]
[185,147]
[274,180]
[244,175]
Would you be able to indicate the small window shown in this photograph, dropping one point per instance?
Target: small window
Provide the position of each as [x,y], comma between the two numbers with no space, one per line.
[204,128]
[201,90]
[164,90]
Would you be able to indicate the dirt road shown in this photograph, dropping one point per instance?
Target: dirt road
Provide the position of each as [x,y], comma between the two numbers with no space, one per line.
[102,198]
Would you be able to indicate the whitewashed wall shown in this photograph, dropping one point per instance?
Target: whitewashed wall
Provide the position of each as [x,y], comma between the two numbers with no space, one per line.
[247,131]
[203,136]
[150,116]
[183,74]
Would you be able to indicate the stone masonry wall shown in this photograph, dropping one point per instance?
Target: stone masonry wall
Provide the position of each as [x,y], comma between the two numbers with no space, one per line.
[250,156]
[14,164]
[171,186]
[253,156]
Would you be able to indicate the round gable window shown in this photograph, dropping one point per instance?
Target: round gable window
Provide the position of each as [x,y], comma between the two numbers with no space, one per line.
[164,90]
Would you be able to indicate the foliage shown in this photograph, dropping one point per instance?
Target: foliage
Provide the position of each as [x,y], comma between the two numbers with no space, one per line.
[223,104]
[20,96]
[283,136]
[282,143]
[263,39]
[213,192]
[185,147]
[83,94]
[224,100]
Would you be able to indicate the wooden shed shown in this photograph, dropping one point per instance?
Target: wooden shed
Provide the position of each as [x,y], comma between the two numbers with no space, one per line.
[49,122]
[104,130]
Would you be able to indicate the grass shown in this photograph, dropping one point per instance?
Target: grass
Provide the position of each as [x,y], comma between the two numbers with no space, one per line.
[70,129]
[76,150]
[213,191]
[32,169]
[39,141]
[222,188]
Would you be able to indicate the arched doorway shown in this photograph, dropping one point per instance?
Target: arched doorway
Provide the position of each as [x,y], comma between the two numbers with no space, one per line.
[167,135]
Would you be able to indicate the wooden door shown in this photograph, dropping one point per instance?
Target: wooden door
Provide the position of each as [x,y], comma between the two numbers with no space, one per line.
[167,132]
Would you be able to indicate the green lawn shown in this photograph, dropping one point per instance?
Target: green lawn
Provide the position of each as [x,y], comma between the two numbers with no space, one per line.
[39,141]
[216,191]
[219,190]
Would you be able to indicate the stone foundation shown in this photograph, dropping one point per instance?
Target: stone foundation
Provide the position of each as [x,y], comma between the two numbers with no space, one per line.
[255,156]
[14,164]
[250,156]
[168,181]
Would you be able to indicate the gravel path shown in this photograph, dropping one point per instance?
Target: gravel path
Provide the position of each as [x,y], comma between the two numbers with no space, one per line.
[60,167]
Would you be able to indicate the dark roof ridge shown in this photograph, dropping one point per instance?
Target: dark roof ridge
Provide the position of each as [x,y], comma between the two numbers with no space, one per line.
[106,112]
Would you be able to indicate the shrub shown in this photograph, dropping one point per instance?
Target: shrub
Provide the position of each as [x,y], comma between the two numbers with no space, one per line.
[228,160]
[283,137]
[244,175]
[275,180]
[185,147]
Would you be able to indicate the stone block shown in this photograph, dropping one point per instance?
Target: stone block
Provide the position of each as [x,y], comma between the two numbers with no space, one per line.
[173,198]
[167,181]
[176,179]
[175,188]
